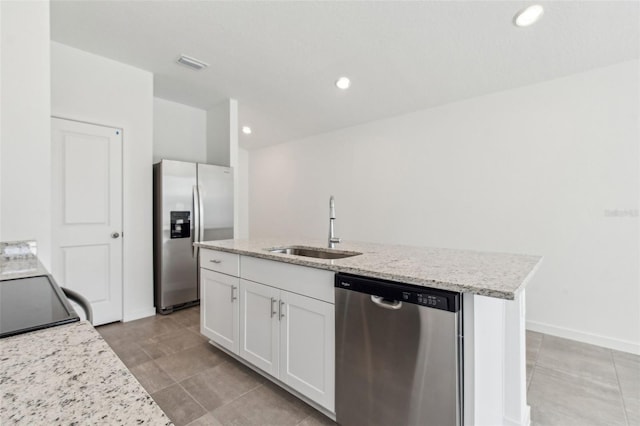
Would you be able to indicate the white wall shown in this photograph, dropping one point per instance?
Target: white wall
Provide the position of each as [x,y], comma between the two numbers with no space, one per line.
[179,132]
[223,149]
[90,88]
[219,119]
[533,170]
[242,182]
[25,154]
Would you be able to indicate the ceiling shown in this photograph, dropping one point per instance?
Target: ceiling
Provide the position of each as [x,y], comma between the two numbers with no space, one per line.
[280,59]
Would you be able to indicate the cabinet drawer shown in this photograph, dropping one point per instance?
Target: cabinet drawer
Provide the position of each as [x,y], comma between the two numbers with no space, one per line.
[220,261]
[311,282]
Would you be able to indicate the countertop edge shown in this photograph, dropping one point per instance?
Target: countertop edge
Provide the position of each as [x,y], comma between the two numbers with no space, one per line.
[443,285]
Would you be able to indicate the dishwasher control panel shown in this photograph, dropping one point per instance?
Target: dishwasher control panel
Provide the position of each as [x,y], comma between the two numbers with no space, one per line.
[431,300]
[393,291]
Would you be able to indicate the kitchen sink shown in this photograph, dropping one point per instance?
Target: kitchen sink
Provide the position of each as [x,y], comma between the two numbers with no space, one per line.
[318,253]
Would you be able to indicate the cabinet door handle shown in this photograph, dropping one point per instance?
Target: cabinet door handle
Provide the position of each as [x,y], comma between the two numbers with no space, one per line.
[273,309]
[215,261]
[233,293]
[281,310]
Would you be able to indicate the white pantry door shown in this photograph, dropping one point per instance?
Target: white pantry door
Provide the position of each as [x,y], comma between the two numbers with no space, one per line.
[87,214]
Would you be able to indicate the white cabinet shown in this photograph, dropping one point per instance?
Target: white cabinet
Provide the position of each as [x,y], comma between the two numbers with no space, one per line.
[259,325]
[291,337]
[276,316]
[307,339]
[219,313]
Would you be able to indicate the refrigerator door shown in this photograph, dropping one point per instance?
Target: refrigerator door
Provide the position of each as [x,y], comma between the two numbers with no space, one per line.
[216,192]
[175,261]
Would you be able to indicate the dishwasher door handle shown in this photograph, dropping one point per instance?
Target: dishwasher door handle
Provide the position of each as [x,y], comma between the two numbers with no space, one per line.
[395,305]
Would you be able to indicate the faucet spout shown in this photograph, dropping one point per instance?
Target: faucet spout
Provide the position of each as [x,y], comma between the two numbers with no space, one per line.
[332,208]
[333,240]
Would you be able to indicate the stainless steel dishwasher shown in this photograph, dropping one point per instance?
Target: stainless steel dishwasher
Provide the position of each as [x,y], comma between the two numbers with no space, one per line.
[398,354]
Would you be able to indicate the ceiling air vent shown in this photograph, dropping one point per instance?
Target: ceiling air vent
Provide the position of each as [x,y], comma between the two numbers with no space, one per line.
[192,63]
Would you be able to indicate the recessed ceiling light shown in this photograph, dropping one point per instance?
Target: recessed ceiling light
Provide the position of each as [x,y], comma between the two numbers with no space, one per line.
[246,130]
[528,16]
[192,63]
[343,83]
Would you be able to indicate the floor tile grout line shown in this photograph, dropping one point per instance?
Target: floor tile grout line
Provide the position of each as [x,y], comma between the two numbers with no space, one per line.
[169,354]
[169,374]
[238,397]
[214,367]
[535,362]
[194,399]
[624,405]
[537,356]
[580,375]
[223,405]
[163,388]
[165,372]
[165,335]
[194,374]
[147,353]
[176,382]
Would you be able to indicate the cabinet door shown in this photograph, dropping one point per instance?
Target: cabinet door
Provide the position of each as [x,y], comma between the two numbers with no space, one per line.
[219,313]
[259,325]
[307,358]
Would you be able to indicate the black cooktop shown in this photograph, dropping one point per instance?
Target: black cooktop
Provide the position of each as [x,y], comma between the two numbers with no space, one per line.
[33,303]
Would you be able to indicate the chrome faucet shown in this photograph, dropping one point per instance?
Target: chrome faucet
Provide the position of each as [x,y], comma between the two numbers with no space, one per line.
[332,217]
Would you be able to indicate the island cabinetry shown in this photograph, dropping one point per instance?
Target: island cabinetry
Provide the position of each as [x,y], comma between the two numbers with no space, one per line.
[219,313]
[219,261]
[493,316]
[277,317]
[307,342]
[259,325]
[310,282]
[291,337]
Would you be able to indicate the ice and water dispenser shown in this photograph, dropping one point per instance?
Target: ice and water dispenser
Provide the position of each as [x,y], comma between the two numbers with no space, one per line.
[180,224]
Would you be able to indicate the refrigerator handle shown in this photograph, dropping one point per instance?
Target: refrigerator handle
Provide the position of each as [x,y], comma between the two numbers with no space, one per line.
[196,221]
[200,216]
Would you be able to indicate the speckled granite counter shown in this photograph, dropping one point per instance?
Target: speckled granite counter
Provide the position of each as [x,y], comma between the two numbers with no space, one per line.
[22,268]
[69,375]
[499,275]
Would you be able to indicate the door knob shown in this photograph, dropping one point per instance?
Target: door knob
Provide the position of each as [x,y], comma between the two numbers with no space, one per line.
[115,235]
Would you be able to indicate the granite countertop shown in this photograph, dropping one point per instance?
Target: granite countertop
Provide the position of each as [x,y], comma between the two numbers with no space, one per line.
[500,275]
[69,375]
[21,268]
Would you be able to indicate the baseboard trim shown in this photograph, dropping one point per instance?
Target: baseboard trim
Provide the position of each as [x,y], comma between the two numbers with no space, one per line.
[580,336]
[142,313]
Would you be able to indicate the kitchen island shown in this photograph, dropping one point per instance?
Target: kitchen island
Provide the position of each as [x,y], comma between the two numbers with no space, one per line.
[69,375]
[499,275]
[238,277]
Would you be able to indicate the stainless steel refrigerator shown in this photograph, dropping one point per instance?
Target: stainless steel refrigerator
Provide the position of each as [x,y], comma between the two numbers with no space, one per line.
[192,202]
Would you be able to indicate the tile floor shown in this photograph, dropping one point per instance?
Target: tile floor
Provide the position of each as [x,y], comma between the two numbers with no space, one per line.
[568,383]
[572,383]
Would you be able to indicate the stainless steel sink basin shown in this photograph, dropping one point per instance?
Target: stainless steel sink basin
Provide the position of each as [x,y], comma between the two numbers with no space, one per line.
[318,253]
